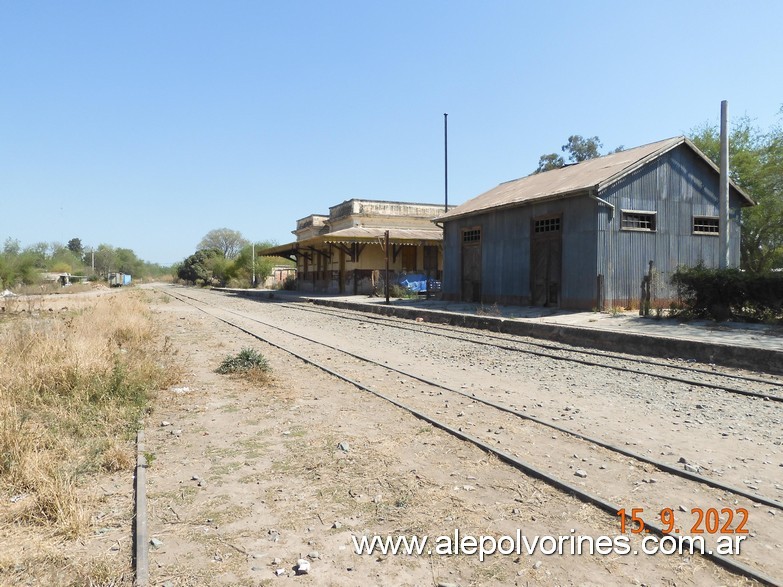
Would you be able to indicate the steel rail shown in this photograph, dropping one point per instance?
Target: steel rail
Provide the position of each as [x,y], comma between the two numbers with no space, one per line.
[735,390]
[140,535]
[625,452]
[584,496]
[395,322]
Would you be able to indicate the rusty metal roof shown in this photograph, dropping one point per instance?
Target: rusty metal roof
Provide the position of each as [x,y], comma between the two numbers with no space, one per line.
[596,174]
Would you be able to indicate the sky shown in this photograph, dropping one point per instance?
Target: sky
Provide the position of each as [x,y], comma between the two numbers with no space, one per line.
[145,125]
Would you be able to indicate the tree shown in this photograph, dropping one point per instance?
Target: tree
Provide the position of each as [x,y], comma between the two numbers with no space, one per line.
[581,149]
[17,268]
[12,247]
[227,241]
[198,267]
[241,269]
[548,162]
[64,260]
[39,253]
[578,148]
[756,165]
[105,259]
[75,246]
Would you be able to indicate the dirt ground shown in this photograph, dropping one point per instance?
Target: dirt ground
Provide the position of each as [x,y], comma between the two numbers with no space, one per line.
[248,478]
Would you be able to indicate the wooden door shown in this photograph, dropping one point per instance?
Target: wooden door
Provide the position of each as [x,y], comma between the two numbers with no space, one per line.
[342,271]
[546,261]
[409,258]
[471,265]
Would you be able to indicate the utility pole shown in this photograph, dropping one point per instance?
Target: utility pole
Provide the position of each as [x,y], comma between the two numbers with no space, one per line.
[446,159]
[386,250]
[723,220]
[254,265]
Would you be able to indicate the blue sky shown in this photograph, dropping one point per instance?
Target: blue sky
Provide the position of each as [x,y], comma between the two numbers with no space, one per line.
[146,124]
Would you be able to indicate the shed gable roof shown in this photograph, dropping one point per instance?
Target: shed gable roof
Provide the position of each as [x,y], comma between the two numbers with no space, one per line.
[593,174]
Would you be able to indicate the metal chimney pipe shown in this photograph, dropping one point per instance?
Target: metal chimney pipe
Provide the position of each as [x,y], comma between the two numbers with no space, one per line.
[725,257]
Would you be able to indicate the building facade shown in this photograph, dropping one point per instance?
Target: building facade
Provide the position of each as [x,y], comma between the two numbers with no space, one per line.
[587,235]
[346,251]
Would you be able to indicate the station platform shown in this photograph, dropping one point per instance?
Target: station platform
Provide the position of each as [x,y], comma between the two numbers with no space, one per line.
[757,347]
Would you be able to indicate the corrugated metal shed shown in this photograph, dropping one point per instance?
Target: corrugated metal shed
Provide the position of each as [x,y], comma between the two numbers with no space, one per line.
[597,255]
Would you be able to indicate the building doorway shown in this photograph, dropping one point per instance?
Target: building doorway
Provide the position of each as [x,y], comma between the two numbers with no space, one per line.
[546,261]
[471,265]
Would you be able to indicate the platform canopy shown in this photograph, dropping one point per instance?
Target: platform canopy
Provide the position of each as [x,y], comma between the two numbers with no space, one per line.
[359,235]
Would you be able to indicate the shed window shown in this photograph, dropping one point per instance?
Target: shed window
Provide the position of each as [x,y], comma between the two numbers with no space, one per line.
[471,236]
[547,225]
[639,220]
[706,225]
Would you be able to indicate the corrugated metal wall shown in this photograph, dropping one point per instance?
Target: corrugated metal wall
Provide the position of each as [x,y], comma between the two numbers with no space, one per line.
[505,252]
[677,186]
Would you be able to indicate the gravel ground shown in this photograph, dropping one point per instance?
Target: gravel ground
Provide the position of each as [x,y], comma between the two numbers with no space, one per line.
[248,479]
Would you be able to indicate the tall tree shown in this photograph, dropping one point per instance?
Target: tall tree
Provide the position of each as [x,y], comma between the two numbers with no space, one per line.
[227,241]
[756,165]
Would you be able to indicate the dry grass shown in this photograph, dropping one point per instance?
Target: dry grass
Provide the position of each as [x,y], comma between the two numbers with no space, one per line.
[72,388]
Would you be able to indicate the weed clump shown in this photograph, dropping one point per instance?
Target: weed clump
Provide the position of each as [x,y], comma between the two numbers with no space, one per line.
[247,361]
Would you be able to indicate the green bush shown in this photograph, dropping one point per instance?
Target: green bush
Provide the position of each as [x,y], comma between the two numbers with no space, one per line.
[246,360]
[723,294]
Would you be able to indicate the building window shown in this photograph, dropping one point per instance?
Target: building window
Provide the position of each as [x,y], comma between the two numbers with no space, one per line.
[638,220]
[546,225]
[706,225]
[471,236]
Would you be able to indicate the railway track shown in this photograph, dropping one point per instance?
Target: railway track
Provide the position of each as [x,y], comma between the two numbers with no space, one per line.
[770,389]
[509,431]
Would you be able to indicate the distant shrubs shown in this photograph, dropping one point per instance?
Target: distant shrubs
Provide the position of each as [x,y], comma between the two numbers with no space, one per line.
[723,294]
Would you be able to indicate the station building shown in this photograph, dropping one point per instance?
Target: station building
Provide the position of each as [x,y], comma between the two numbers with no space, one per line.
[345,251]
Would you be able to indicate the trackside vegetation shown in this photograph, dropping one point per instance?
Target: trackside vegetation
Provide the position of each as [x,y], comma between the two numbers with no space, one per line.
[730,294]
[74,384]
[248,364]
[225,258]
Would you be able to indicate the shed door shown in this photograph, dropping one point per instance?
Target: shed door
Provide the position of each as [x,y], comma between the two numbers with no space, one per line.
[545,261]
[471,265]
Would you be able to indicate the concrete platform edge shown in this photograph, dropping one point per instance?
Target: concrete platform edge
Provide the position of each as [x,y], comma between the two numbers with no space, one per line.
[758,359]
